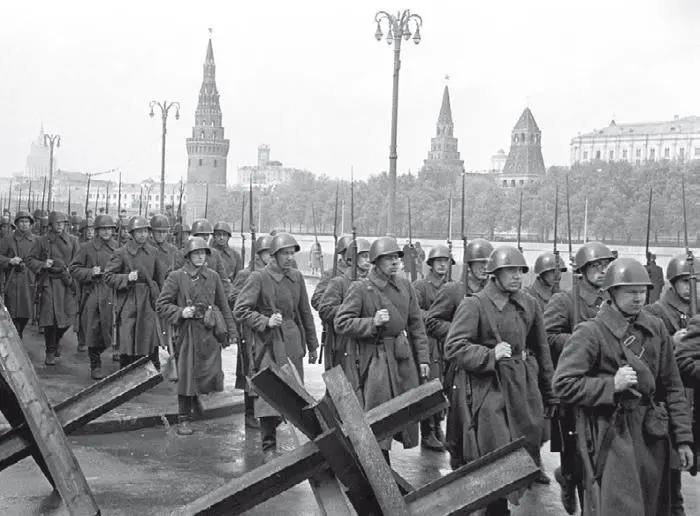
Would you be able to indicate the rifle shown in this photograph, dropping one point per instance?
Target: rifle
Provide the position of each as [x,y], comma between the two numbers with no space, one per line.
[19,199]
[520,220]
[206,200]
[29,198]
[690,260]
[335,232]
[43,198]
[465,265]
[242,232]
[647,253]
[107,199]
[140,201]
[557,270]
[252,227]
[87,196]
[410,260]
[69,213]
[449,237]
[179,213]
[97,197]
[354,228]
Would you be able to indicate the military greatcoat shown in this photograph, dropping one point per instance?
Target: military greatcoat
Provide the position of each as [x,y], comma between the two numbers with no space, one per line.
[339,349]
[634,460]
[19,279]
[443,309]
[427,291]
[541,292]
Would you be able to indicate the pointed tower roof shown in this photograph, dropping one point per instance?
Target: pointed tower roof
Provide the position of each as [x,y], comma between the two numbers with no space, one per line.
[210,52]
[445,116]
[526,122]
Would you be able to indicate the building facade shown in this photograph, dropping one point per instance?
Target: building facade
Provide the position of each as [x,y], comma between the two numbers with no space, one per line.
[207,149]
[675,140]
[267,172]
[524,164]
[38,159]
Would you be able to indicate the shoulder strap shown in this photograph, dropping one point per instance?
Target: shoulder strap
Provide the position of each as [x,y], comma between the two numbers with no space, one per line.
[668,315]
[486,304]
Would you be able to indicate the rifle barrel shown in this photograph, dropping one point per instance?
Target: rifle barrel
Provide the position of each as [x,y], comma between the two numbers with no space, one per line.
[335,231]
[520,220]
[690,259]
[651,192]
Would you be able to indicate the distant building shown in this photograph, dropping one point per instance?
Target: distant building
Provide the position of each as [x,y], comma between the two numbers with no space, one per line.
[524,164]
[207,149]
[498,161]
[444,165]
[267,172]
[677,140]
[37,165]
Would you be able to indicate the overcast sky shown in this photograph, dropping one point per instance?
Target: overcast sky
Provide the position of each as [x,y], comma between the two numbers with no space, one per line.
[309,79]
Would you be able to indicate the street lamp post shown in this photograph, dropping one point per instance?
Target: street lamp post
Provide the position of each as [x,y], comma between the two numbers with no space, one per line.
[399,27]
[164,109]
[51,141]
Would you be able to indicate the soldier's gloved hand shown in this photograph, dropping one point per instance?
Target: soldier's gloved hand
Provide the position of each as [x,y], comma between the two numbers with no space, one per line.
[48,263]
[381,317]
[96,270]
[275,320]
[15,261]
[679,335]
[625,377]
[424,371]
[133,275]
[188,312]
[313,356]
[502,350]
[685,454]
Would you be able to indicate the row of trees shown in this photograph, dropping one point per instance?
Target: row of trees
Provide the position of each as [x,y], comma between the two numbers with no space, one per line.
[617,195]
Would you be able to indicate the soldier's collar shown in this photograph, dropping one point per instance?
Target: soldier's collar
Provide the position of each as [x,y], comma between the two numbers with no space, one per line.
[543,290]
[588,293]
[98,243]
[435,280]
[672,298]
[193,271]
[496,295]
[19,235]
[277,273]
[380,279]
[618,324]
[134,248]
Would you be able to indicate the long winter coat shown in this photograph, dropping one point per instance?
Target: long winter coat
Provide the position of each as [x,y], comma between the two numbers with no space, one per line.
[504,399]
[230,259]
[270,291]
[96,297]
[427,291]
[168,254]
[541,292]
[214,263]
[135,300]
[635,476]
[198,350]
[388,356]
[57,305]
[340,350]
[688,358]
[443,309]
[19,280]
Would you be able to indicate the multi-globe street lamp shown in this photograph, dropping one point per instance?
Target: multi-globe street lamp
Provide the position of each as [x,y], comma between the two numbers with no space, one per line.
[398,28]
[164,110]
[51,141]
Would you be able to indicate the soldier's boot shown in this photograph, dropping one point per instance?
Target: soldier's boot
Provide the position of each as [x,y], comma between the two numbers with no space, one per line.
[96,373]
[184,426]
[568,491]
[541,477]
[676,494]
[428,439]
[250,420]
[439,434]
[50,359]
[268,426]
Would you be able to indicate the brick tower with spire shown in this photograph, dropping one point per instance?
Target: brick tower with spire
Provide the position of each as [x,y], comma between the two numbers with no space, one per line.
[525,163]
[207,149]
[443,165]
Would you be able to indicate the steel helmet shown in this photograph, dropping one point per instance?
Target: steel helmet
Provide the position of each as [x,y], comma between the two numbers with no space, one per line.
[478,250]
[592,252]
[626,271]
[195,244]
[281,241]
[548,262]
[202,227]
[439,251]
[138,222]
[223,226]
[383,246]
[38,214]
[5,221]
[343,243]
[104,221]
[57,216]
[363,246]
[87,223]
[24,215]
[160,222]
[506,256]
[262,243]
[677,267]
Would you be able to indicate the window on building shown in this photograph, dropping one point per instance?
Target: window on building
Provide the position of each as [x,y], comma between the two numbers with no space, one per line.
[522,182]
[681,153]
[505,183]
[638,153]
[667,153]
[611,155]
[585,155]
[597,154]
[200,162]
[624,154]
[215,163]
[697,152]
[512,183]
[652,154]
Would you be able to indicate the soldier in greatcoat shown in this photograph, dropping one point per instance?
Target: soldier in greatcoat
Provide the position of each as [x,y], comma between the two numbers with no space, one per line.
[619,372]
[202,228]
[85,233]
[499,348]
[275,305]
[339,350]
[545,284]
[135,273]
[50,260]
[87,230]
[244,357]
[96,297]
[673,308]
[6,226]
[439,261]
[327,275]
[230,259]
[168,255]
[590,263]
[187,295]
[381,313]
[18,277]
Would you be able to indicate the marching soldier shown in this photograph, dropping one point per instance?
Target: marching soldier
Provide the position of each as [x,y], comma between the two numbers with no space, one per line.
[50,259]
[96,297]
[6,227]
[381,312]
[448,298]
[274,304]
[590,262]
[167,252]
[618,369]
[189,293]
[86,234]
[326,276]
[202,228]
[135,273]
[673,309]
[546,270]
[18,278]
[123,232]
[498,345]
[244,355]
[230,258]
[656,274]
[340,351]
[427,288]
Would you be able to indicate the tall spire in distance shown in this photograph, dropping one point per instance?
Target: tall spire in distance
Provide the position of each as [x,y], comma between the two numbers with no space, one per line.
[445,117]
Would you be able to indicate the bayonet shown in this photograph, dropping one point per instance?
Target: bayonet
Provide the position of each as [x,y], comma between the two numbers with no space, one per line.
[69,207]
[242,226]
[555,250]
[354,228]
[29,198]
[465,265]
[647,253]
[97,198]
[107,199]
[410,259]
[206,200]
[335,231]
[252,225]
[87,196]
[520,220]
[43,198]
[574,272]
[449,237]
[690,259]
